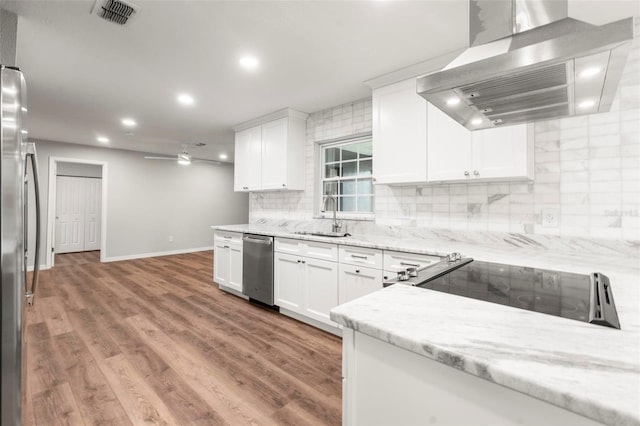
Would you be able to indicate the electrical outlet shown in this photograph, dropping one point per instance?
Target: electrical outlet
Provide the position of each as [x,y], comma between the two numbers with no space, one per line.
[170,238]
[550,218]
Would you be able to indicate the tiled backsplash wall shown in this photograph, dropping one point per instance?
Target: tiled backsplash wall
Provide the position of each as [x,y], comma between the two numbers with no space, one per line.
[587,171]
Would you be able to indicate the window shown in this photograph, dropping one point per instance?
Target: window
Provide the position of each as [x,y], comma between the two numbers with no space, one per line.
[347,175]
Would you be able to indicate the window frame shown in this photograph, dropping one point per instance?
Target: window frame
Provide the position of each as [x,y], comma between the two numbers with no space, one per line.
[322,146]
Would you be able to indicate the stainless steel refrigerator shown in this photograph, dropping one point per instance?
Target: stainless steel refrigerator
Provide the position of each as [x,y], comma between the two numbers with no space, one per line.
[18,174]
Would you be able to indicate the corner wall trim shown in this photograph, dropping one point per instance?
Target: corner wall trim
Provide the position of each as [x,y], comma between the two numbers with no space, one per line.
[157,254]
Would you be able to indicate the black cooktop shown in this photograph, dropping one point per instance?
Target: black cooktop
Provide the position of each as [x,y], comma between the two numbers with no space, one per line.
[579,297]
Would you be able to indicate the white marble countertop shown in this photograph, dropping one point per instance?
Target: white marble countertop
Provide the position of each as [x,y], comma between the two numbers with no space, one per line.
[589,369]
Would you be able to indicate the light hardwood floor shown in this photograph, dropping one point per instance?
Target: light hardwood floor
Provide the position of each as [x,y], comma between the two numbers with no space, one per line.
[154,341]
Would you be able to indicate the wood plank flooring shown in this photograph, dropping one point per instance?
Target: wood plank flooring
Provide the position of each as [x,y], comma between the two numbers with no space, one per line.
[154,341]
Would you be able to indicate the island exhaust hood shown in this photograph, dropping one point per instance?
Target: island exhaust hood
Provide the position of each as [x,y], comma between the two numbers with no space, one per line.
[528,61]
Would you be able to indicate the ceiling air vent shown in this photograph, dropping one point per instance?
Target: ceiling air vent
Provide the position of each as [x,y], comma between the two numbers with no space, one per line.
[117,11]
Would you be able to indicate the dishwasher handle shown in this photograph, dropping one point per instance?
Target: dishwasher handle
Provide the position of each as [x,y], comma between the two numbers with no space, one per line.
[257,241]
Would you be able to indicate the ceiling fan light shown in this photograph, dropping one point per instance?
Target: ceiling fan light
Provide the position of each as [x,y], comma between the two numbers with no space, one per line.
[184,162]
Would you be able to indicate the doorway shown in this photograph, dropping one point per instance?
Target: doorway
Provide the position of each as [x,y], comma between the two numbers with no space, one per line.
[77,207]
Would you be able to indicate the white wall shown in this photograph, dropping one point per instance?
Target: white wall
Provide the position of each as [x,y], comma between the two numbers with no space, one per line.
[149,200]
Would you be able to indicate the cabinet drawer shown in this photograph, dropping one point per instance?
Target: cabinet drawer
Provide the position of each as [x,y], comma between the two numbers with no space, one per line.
[227,238]
[396,261]
[359,256]
[312,249]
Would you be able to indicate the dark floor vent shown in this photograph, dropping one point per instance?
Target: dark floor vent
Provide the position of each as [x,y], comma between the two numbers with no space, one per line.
[117,11]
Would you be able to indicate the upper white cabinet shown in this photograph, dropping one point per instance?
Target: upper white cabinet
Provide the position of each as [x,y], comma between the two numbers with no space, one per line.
[269,153]
[399,134]
[455,154]
[414,142]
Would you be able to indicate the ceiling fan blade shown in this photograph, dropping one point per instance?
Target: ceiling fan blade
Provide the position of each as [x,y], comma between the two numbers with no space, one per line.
[198,160]
[161,158]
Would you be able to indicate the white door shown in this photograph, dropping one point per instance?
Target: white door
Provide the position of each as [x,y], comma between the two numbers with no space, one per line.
[399,134]
[501,152]
[288,282]
[274,154]
[248,159]
[92,209]
[235,267]
[321,289]
[448,148]
[221,264]
[69,214]
[356,282]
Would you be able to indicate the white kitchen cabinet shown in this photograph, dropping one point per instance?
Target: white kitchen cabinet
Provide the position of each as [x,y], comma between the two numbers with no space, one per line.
[306,278]
[248,160]
[455,154]
[357,281]
[227,260]
[399,134]
[270,152]
[414,142]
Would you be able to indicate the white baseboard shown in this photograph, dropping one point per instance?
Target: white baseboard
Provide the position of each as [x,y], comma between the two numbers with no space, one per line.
[42,268]
[157,254]
[317,324]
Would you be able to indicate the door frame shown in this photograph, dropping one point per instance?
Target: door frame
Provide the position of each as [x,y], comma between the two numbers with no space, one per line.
[51,206]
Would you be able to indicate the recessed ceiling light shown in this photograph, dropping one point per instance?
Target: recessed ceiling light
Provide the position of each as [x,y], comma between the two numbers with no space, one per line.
[453,101]
[223,156]
[102,139]
[129,122]
[476,121]
[586,104]
[590,72]
[249,62]
[186,99]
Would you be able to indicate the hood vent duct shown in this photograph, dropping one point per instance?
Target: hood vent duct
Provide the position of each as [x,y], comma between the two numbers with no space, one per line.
[117,11]
[527,62]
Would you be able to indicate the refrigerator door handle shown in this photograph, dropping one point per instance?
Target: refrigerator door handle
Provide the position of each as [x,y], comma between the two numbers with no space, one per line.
[30,293]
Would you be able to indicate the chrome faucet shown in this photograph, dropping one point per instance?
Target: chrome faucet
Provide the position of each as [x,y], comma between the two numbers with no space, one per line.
[335,226]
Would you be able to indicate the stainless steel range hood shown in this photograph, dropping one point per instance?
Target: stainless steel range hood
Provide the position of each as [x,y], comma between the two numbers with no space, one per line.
[529,61]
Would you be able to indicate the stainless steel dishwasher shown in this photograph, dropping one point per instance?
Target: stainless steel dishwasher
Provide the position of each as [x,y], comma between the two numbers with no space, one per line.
[257,268]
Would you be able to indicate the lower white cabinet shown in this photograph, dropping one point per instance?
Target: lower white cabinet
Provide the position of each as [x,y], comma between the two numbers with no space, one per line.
[357,281]
[306,286]
[227,260]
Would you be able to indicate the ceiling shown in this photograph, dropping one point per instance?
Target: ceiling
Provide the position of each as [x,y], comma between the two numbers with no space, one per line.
[85,74]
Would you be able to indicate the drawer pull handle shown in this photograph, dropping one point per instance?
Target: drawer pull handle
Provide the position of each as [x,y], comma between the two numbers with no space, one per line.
[299,261]
[357,271]
[226,247]
[415,265]
[355,256]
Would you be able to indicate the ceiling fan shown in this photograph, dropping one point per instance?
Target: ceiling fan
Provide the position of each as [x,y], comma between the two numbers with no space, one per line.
[184,158]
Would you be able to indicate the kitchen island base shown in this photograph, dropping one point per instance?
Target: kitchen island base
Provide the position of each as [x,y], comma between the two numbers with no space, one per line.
[384,384]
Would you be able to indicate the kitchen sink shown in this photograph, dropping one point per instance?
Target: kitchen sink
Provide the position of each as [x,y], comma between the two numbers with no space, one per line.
[324,234]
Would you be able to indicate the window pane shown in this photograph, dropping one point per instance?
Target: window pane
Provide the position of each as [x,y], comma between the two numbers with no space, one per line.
[349,169]
[332,170]
[330,188]
[348,204]
[331,155]
[350,152]
[348,187]
[365,149]
[365,204]
[365,167]
[365,186]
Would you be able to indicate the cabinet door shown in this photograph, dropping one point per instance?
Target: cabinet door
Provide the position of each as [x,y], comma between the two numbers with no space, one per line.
[355,282]
[221,264]
[288,282]
[501,153]
[274,154]
[235,267]
[248,159]
[448,148]
[321,289]
[399,134]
